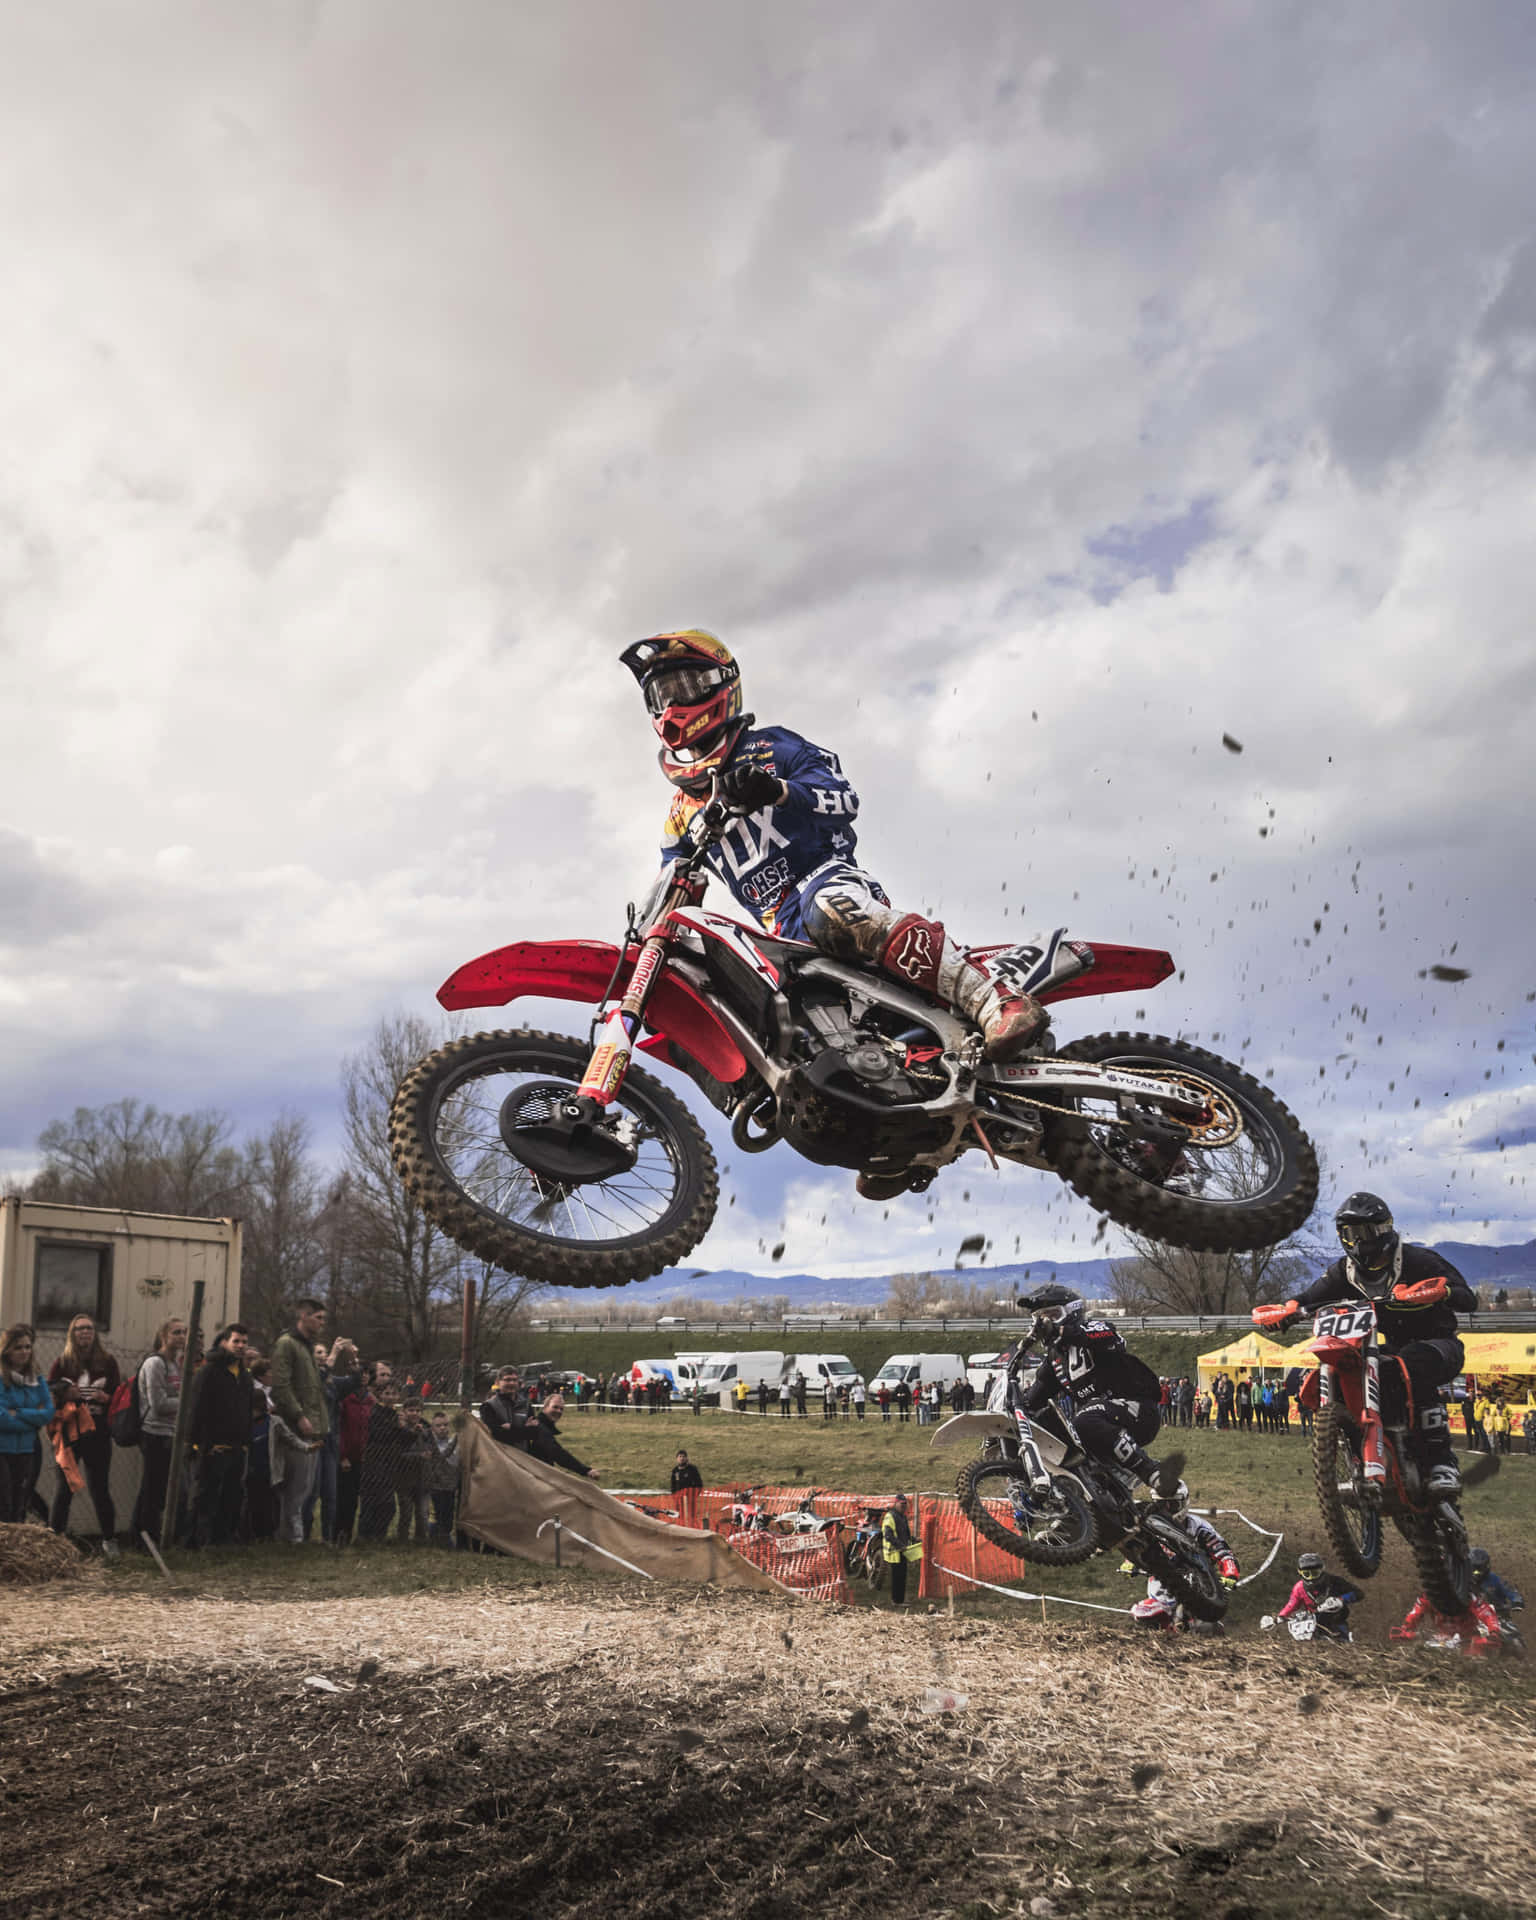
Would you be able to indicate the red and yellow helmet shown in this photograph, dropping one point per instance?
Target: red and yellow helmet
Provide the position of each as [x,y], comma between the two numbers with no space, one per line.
[692,691]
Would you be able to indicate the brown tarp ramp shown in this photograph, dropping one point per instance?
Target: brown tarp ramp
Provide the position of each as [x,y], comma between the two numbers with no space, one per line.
[505,1495]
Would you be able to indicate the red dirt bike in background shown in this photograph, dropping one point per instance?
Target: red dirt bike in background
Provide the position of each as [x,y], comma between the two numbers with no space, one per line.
[1365,1467]
[564,1161]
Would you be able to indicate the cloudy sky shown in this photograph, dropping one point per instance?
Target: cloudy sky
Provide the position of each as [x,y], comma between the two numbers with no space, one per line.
[1029,395]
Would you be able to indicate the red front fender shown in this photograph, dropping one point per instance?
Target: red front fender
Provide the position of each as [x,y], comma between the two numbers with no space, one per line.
[581,970]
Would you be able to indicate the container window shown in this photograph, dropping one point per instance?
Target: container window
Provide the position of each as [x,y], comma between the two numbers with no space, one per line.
[70,1279]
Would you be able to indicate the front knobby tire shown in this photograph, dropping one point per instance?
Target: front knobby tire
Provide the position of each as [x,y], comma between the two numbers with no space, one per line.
[1352,1523]
[1229,1199]
[451,1161]
[1060,1535]
[1186,1571]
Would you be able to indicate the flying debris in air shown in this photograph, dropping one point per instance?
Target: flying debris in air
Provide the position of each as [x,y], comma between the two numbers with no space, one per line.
[974,1243]
[1231,745]
[1438,972]
[778,1252]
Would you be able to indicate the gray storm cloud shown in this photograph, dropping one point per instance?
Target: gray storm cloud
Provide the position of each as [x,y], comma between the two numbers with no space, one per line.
[1159,375]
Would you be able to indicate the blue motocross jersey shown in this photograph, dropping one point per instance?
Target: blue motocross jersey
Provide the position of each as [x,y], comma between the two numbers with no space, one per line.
[766,858]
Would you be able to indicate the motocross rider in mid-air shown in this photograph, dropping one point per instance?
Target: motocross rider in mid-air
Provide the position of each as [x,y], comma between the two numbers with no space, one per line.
[788,857]
[1114,1395]
[1416,1294]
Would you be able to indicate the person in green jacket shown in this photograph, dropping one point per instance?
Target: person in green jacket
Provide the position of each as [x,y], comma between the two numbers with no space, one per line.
[897,1547]
[298,1399]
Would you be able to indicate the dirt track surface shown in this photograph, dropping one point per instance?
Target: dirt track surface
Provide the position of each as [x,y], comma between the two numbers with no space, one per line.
[614,1753]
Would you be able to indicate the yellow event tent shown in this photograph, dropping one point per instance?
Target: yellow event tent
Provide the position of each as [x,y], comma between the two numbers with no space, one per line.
[1248,1353]
[1503,1364]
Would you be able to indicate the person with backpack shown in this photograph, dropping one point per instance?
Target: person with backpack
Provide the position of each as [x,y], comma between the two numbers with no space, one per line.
[26,1407]
[86,1375]
[158,1396]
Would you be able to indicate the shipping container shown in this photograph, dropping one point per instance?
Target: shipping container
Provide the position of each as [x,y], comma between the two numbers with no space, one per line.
[129,1271]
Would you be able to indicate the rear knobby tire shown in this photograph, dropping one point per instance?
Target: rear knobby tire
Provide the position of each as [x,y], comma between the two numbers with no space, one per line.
[1354,1531]
[1444,1562]
[1177,1219]
[1072,1539]
[549,1258]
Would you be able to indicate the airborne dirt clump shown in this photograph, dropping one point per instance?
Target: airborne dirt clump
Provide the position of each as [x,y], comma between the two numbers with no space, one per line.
[600,1751]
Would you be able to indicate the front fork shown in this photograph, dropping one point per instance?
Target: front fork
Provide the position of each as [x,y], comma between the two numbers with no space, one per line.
[616,1037]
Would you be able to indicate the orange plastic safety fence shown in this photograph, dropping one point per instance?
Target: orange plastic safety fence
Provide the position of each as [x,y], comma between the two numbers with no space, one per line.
[812,1566]
[950,1541]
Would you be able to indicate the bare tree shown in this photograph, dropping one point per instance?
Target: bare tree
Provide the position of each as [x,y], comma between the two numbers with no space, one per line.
[405,1269]
[1157,1278]
[284,1254]
[136,1157]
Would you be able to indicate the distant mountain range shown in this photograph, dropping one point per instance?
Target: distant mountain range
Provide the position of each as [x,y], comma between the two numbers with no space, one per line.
[803,1290]
[1488,1266]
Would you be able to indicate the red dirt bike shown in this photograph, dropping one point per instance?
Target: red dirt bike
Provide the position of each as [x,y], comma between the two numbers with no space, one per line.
[564,1161]
[1365,1469]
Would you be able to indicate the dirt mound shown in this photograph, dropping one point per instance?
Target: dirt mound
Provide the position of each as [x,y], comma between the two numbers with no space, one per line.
[30,1556]
[620,1755]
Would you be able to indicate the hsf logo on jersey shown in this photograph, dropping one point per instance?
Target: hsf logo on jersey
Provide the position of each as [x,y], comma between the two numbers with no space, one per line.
[763,891]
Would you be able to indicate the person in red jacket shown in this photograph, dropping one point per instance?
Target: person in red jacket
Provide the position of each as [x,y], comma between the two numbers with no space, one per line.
[1476,1631]
[352,1413]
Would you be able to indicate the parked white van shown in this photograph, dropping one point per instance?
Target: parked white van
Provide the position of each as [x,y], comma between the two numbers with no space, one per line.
[981,1369]
[918,1369]
[720,1372]
[682,1373]
[819,1368]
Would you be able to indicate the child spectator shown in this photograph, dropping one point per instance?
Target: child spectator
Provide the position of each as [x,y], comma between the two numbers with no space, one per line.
[414,1455]
[88,1376]
[26,1407]
[443,1476]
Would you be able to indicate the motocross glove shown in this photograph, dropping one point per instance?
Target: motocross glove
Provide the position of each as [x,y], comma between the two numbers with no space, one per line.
[1421,1293]
[1333,1604]
[1276,1316]
[1228,1571]
[749,787]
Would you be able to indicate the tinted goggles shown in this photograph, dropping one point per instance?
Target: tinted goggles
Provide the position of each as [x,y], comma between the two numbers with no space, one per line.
[681,687]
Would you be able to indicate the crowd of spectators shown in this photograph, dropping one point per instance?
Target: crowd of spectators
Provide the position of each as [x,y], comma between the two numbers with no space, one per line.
[303,1443]
[1253,1403]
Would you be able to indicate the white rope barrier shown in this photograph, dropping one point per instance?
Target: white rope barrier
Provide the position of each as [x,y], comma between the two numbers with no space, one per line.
[1017,1593]
[1254,1527]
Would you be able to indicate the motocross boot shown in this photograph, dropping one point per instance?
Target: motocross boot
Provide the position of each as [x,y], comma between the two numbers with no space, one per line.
[922,954]
[1162,1476]
[1442,1476]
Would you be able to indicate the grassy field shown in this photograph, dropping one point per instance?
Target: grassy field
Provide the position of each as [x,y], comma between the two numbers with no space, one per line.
[1266,1478]
[1166,1353]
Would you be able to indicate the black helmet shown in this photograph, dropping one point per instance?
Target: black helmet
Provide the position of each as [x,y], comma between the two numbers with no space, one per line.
[1055,1308]
[1366,1233]
[1309,1566]
[1482,1566]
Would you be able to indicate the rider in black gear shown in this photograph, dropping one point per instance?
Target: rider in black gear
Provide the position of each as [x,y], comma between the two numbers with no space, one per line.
[1501,1595]
[1114,1395]
[1417,1296]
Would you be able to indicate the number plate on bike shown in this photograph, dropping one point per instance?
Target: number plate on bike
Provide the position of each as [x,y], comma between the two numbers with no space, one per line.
[1343,1323]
